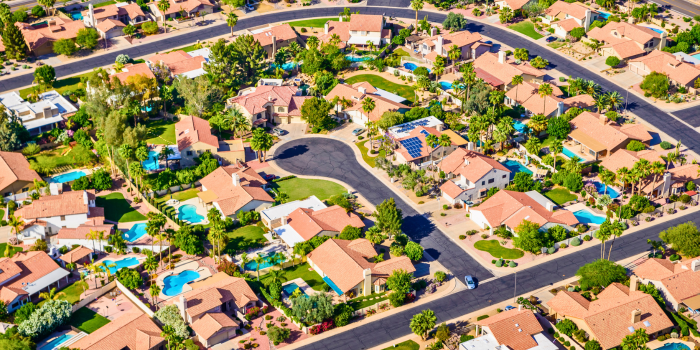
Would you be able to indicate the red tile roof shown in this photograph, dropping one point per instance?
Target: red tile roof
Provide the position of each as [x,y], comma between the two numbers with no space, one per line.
[14,167]
[281,33]
[278,96]
[68,203]
[462,39]
[472,165]
[133,330]
[211,323]
[504,71]
[625,158]
[668,64]
[424,150]
[308,223]
[203,299]
[109,24]
[231,198]
[134,70]
[514,328]
[187,5]
[599,129]
[58,28]
[511,208]
[76,254]
[33,266]
[353,94]
[451,189]
[369,23]
[80,232]
[190,130]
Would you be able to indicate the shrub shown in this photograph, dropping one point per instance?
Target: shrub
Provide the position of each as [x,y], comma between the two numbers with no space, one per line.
[31,149]
[499,263]
[38,11]
[563,245]
[575,242]
[566,326]
[440,276]
[482,317]
[108,249]
[567,343]
[587,238]
[462,236]
[666,145]
[674,257]
[136,249]
[512,264]
[484,236]
[52,314]
[551,250]
[150,28]
[612,61]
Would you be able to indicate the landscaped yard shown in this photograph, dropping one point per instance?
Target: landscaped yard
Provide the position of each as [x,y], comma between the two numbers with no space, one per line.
[117,209]
[316,23]
[73,83]
[161,132]
[87,320]
[248,233]
[297,188]
[363,302]
[495,248]
[405,91]
[369,160]
[72,292]
[181,196]
[527,28]
[3,246]
[560,195]
[62,156]
[401,52]
[303,271]
[407,345]
[557,44]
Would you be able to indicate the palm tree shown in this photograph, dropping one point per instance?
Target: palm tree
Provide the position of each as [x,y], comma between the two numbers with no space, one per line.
[556,148]
[368,105]
[160,238]
[643,169]
[164,5]
[165,153]
[275,276]
[126,152]
[616,229]
[231,20]
[516,81]
[454,53]
[17,223]
[545,90]
[438,67]
[51,295]
[39,184]
[244,260]
[538,123]
[670,158]
[623,174]
[603,234]
[615,100]
[573,165]
[469,78]
[169,234]
[154,291]
[608,178]
[151,265]
[657,168]
[92,235]
[417,5]
[432,142]
[258,261]
[280,258]
[445,142]
[312,42]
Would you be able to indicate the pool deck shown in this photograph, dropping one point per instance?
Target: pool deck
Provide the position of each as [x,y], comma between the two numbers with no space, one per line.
[53,336]
[302,285]
[275,247]
[182,266]
[199,209]
[581,206]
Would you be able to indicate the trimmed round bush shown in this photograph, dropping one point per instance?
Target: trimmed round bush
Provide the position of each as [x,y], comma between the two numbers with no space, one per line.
[575,242]
[512,264]
[551,250]
[587,238]
[666,145]
[499,263]
[462,236]
[563,245]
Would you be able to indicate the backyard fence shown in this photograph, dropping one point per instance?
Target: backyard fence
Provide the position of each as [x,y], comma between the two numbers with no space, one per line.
[134,299]
[95,295]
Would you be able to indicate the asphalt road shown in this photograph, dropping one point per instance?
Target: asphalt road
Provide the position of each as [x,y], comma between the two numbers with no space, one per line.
[334,159]
[684,7]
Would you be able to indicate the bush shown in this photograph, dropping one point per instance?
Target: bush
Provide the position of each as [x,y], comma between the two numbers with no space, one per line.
[551,250]
[575,242]
[150,28]
[108,248]
[512,264]
[482,317]
[484,236]
[674,257]
[31,149]
[462,236]
[612,61]
[666,145]
[38,11]
[563,245]
[587,238]
[635,146]
[397,299]
[499,263]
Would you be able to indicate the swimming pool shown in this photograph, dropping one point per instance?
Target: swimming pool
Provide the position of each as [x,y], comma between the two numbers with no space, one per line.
[67,177]
[127,262]
[696,56]
[290,288]
[152,162]
[656,30]
[446,85]
[585,216]
[410,66]
[515,167]
[519,126]
[601,189]
[352,58]
[172,285]
[286,66]
[135,232]
[269,262]
[188,212]
[76,16]
[674,346]
[604,14]
[54,344]
[570,154]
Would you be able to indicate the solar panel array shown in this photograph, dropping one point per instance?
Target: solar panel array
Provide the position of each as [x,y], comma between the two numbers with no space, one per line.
[412,125]
[425,133]
[413,146]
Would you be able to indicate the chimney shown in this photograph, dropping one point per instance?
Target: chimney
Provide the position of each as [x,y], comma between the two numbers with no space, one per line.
[367,284]
[182,305]
[325,28]
[501,57]
[603,119]
[236,179]
[85,197]
[91,10]
[633,283]
[470,146]
[668,178]
[433,31]
[587,19]
[362,90]
[636,316]
[269,98]
[438,47]
[662,43]
[520,307]
[549,206]
[695,265]
[560,108]
[340,18]
[274,45]
[466,161]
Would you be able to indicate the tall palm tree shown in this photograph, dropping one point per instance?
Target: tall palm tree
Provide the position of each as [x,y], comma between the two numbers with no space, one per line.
[368,106]
[39,184]
[275,276]
[444,141]
[439,67]
[164,5]
[545,90]
[516,81]
[417,5]
[608,178]
[538,123]
[454,53]
[154,291]
[169,235]
[17,223]
[616,229]
[51,295]
[556,148]
[258,261]
[642,170]
[165,153]
[657,168]
[469,78]
[623,174]
[670,158]
[432,142]
[231,20]
[603,234]
[151,265]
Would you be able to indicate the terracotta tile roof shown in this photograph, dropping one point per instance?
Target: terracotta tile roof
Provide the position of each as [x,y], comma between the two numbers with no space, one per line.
[510,207]
[133,10]
[369,89]
[308,223]
[352,93]
[610,316]
[342,29]
[581,101]
[33,266]
[169,57]
[187,65]
[461,39]
[627,49]
[504,71]
[211,323]
[573,10]
[528,96]
[279,96]
[369,23]
[58,28]
[8,269]
[344,262]
[8,295]
[418,133]
[488,77]
[668,64]
[109,24]
[451,189]
[203,299]
[281,33]
[635,131]
[68,203]
[133,330]
[624,158]
[516,4]
[133,70]
[514,328]
[231,198]
[619,36]
[76,254]
[598,128]
[655,269]
[190,130]
[80,232]
[683,283]
[187,5]
[472,165]
[14,167]
[568,24]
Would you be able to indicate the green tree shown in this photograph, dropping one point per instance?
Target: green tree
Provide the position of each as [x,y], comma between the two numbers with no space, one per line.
[529,237]
[47,4]
[101,180]
[566,326]
[523,182]
[87,38]
[350,233]
[454,22]
[600,273]
[150,28]
[130,30]
[558,127]
[592,345]
[189,241]
[655,84]
[45,76]
[129,278]
[612,61]
[684,238]
[399,281]
[250,56]
[423,323]
[635,146]
[200,94]
[577,33]
[313,309]
[389,217]
[278,334]
[374,235]
[64,47]
[261,143]
[506,15]
[15,46]
[414,251]
[636,341]
[521,54]
[315,111]
[417,5]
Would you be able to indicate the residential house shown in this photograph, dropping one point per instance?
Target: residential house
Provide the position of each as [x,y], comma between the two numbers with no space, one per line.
[132,70]
[512,4]
[673,182]
[679,72]
[348,269]
[15,174]
[470,175]
[132,330]
[70,209]
[231,189]
[515,329]
[627,158]
[504,68]
[358,31]
[304,224]
[215,328]
[27,274]
[274,104]
[43,115]
[70,236]
[40,39]
[273,217]
[403,130]
[596,137]
[110,20]
[273,38]
[678,283]
[527,95]
[350,99]
[194,138]
[470,45]
[510,208]
[183,8]
[626,40]
[617,312]
[564,16]
[414,148]
[79,255]
[189,64]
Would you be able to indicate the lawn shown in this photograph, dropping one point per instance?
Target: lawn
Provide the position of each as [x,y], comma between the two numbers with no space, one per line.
[3,246]
[297,188]
[105,3]
[405,91]
[316,23]
[527,28]
[560,195]
[181,196]
[557,44]
[117,209]
[72,293]
[407,345]
[303,271]
[401,52]
[248,234]
[369,160]
[161,132]
[56,158]
[87,320]
[494,248]
[363,303]
[61,86]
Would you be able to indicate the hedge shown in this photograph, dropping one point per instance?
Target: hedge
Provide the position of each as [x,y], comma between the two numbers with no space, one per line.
[284,178]
[482,317]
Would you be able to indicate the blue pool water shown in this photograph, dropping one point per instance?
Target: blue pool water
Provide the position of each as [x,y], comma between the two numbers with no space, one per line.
[601,188]
[128,262]
[290,288]
[410,66]
[76,15]
[172,285]
[68,177]
[188,212]
[570,154]
[286,66]
[674,346]
[445,85]
[352,58]
[656,30]
[587,217]
[604,14]
[54,344]
[252,265]
[135,232]
[696,56]
[515,167]
[519,126]
[152,162]
[147,108]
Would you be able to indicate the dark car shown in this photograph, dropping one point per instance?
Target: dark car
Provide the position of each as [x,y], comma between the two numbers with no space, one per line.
[550,39]
[269,177]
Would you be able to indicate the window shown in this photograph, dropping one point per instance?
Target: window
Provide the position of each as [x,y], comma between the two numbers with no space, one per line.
[63,217]
[503,177]
[483,183]
[189,153]
[280,109]
[491,181]
[259,116]
[591,152]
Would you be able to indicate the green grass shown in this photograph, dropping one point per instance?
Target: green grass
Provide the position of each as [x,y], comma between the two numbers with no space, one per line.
[401,52]
[3,246]
[247,234]
[61,86]
[72,293]
[405,91]
[407,345]
[312,278]
[527,28]
[560,195]
[371,161]
[161,132]
[494,248]
[303,188]
[52,159]
[2,214]
[102,4]
[117,209]
[557,44]
[316,22]
[181,196]
[366,303]
[87,320]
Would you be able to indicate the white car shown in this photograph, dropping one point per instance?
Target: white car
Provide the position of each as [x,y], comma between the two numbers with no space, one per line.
[470,282]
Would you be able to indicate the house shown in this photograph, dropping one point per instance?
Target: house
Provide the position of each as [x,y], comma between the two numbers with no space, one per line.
[403,130]
[43,115]
[183,8]
[510,208]
[70,209]
[218,293]
[469,44]
[110,20]
[673,182]
[272,217]
[304,224]
[470,175]
[132,330]
[504,68]
[190,64]
[626,158]
[80,255]
[274,104]
[15,174]
[346,266]
[597,137]
[414,148]
[40,39]
[68,237]
[512,4]
[679,72]
[564,16]
[214,328]
[527,95]
[515,329]
[626,40]
[617,312]
[231,189]
[273,38]
[350,102]
[194,138]
[132,70]
[358,31]
[26,274]
[678,284]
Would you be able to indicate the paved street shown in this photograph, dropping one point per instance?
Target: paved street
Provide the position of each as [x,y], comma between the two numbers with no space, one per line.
[334,159]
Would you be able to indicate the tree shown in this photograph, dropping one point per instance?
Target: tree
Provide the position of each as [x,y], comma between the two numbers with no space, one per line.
[635,146]
[22,314]
[566,326]
[423,323]
[523,182]
[454,22]
[101,180]
[15,46]
[38,11]
[170,316]
[261,142]
[16,223]
[612,61]
[350,233]
[417,5]
[592,345]
[188,241]
[578,32]
[389,217]
[51,295]
[529,238]
[45,76]
[278,334]
[313,309]
[684,238]
[64,47]
[506,15]
[600,273]
[399,281]
[129,30]
[521,54]
[129,278]
[163,6]
[374,235]
[154,291]
[51,314]
[150,28]
[200,94]
[414,251]
[636,341]
[544,90]
[655,84]
[87,38]
[559,127]
[315,111]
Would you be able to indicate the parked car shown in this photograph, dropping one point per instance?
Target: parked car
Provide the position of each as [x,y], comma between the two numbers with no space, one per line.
[509,307]
[278,131]
[550,39]
[470,282]
[269,177]
[357,131]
